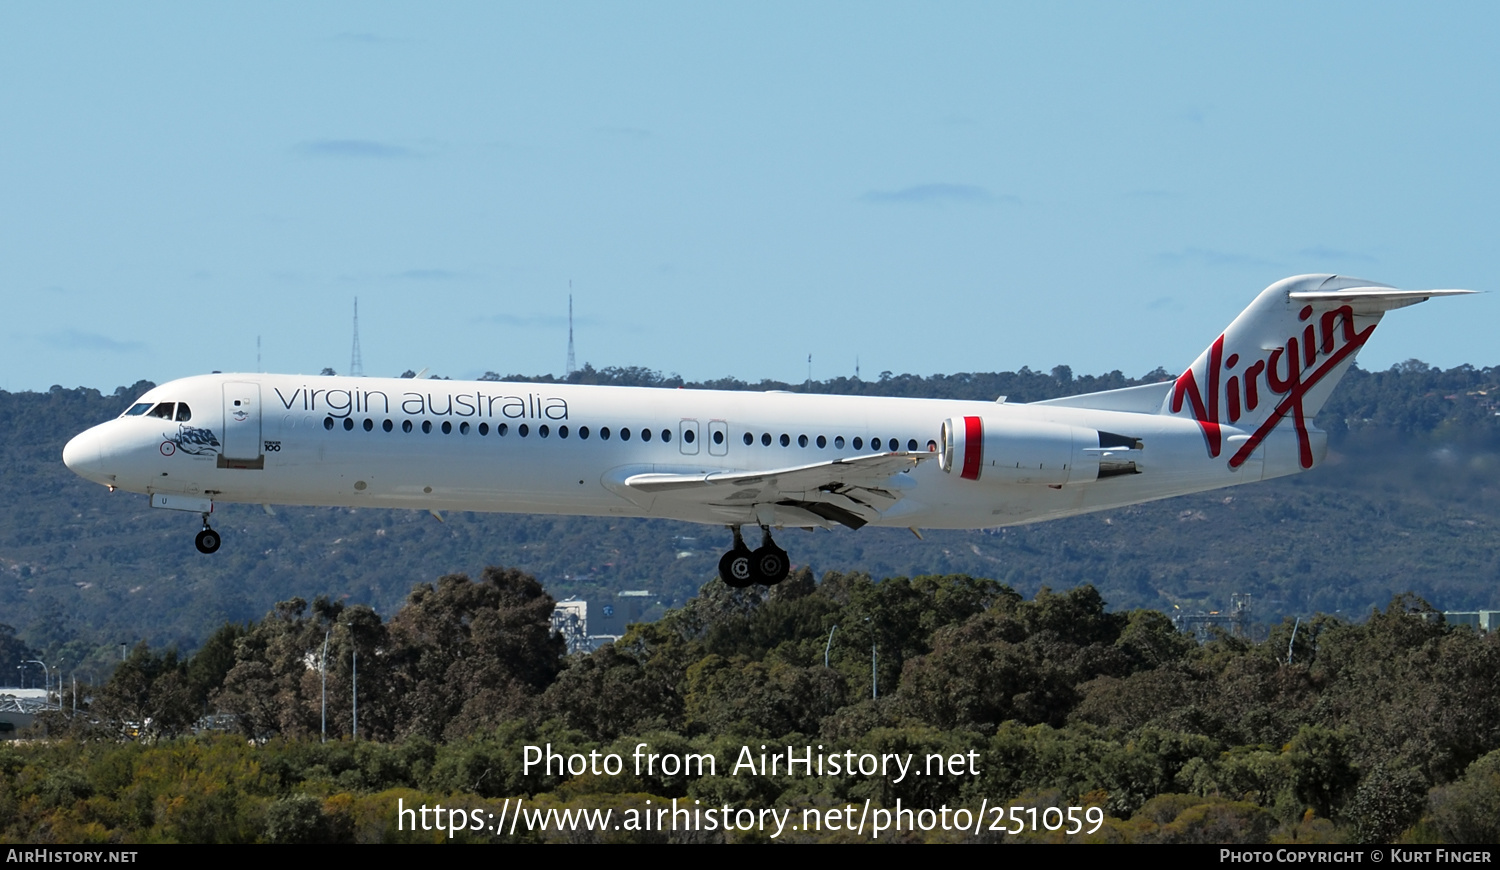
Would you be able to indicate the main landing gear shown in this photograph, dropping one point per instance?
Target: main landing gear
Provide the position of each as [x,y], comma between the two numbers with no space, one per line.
[208,539]
[741,568]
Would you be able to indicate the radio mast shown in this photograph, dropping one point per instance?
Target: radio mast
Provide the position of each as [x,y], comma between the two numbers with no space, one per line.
[571,364]
[356,362]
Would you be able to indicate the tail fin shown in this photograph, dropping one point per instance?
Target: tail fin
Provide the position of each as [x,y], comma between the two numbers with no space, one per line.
[1281,358]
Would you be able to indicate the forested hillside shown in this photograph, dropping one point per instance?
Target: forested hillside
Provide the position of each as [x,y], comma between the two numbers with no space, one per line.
[1407,503]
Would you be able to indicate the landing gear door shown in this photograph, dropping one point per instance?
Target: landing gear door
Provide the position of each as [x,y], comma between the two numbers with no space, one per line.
[242,424]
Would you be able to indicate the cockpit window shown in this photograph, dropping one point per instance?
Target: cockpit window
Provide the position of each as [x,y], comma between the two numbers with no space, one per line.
[164,410]
[183,414]
[137,409]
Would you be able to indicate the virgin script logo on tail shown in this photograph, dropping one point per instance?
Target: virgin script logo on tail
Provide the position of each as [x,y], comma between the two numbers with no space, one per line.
[1284,376]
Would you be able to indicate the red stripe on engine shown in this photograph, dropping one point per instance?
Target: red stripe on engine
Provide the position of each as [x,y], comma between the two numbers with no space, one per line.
[973,448]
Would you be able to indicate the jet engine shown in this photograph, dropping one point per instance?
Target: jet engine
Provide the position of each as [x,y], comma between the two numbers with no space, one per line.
[1011,451]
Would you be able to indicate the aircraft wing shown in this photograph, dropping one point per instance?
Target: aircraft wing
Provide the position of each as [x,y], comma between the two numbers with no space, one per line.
[850,491]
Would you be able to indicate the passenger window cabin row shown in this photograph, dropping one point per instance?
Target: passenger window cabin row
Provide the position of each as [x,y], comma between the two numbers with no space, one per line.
[179,412]
[604,433]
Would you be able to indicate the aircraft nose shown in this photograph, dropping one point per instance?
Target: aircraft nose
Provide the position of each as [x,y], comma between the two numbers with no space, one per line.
[84,455]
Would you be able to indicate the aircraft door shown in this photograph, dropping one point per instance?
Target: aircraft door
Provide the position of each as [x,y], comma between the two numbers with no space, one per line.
[687,437]
[242,424]
[718,438]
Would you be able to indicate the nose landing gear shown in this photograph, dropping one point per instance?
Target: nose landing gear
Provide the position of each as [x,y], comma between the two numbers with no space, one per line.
[741,568]
[208,539]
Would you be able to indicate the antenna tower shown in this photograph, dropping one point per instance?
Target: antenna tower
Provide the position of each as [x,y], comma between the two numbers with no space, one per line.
[356,362]
[572,366]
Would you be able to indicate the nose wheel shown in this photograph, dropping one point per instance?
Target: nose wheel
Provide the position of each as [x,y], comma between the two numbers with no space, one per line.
[741,567]
[208,539]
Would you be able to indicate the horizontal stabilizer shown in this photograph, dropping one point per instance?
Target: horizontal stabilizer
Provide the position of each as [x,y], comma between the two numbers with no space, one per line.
[1371,300]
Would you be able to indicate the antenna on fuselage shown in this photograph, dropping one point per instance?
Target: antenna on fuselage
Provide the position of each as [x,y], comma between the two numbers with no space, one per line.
[356,362]
[571,364]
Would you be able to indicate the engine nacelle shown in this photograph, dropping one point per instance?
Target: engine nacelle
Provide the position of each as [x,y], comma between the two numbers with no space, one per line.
[1010,451]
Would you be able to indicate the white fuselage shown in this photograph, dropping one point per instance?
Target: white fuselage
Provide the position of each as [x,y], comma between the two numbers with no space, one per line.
[542,448]
[1242,411]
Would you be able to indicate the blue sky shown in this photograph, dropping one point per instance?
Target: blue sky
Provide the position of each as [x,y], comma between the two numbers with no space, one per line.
[729,188]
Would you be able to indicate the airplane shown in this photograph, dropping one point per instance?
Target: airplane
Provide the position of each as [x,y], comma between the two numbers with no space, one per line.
[1243,411]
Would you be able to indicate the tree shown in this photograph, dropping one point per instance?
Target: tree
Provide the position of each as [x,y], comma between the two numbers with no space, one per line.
[1388,801]
[471,654]
[611,693]
[148,695]
[1468,810]
[12,648]
[265,688]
